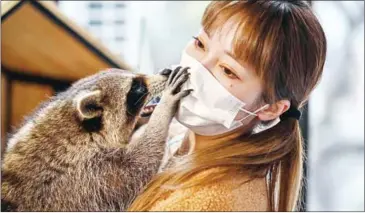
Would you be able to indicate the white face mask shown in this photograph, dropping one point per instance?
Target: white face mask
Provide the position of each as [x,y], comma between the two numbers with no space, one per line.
[210,109]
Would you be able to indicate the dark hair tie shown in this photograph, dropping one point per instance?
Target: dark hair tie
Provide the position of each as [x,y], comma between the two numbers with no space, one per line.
[292,112]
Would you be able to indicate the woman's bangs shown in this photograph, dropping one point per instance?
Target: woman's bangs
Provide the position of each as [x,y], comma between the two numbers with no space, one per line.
[254,36]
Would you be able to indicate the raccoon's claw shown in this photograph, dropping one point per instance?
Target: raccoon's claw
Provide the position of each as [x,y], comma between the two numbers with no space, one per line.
[184,93]
[172,75]
[173,85]
[166,72]
[180,79]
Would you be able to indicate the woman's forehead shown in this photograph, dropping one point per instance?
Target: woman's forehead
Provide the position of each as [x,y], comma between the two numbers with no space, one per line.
[234,35]
[226,38]
[224,35]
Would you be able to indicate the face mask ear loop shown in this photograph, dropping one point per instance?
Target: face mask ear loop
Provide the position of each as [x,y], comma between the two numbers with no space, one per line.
[253,113]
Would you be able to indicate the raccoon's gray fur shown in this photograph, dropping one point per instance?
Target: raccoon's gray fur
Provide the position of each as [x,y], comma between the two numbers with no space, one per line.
[73,154]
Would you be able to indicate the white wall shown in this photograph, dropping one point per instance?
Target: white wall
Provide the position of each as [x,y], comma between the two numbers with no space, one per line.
[336,144]
[155,31]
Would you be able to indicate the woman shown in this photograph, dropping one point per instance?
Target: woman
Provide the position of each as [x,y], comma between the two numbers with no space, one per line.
[253,64]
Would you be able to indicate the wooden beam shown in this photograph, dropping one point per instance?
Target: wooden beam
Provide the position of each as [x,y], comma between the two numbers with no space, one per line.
[4,109]
[37,38]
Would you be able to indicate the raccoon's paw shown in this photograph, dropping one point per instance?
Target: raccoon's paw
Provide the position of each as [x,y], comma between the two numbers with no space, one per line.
[172,93]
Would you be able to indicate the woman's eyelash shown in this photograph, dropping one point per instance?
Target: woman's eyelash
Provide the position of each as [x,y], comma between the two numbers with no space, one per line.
[229,73]
[198,43]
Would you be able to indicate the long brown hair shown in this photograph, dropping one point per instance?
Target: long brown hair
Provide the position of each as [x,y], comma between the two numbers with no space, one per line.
[285,45]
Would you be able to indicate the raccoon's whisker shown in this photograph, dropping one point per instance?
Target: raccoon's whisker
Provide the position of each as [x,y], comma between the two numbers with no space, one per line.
[141,97]
[130,113]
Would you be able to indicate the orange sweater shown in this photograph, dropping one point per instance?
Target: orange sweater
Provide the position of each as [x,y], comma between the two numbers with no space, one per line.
[225,195]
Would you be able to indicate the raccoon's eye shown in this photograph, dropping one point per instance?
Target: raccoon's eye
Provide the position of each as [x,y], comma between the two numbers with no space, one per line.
[141,90]
[136,96]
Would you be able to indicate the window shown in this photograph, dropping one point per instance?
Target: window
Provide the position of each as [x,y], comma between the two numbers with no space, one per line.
[95,22]
[119,22]
[119,38]
[119,5]
[95,5]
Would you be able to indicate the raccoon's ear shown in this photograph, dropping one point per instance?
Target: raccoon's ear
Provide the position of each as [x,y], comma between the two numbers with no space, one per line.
[88,105]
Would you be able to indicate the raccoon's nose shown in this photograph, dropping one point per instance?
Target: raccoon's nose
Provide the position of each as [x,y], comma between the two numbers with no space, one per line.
[166,72]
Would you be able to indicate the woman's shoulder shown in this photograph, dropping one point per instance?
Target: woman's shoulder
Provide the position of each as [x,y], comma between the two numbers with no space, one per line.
[228,194]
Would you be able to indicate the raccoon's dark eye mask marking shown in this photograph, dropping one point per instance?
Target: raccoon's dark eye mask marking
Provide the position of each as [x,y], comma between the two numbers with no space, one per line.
[136,97]
[7,206]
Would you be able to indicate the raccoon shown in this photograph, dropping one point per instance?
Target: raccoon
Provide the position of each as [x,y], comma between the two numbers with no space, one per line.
[74,153]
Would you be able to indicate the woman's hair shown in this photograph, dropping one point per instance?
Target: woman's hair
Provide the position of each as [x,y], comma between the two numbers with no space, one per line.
[283,42]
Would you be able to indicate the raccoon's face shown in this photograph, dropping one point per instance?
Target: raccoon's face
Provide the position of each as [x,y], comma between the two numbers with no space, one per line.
[115,99]
[108,103]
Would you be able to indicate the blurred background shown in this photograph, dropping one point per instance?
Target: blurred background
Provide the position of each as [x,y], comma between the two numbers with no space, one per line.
[48,45]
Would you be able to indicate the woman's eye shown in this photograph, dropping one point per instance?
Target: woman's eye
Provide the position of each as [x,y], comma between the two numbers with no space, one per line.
[229,73]
[198,43]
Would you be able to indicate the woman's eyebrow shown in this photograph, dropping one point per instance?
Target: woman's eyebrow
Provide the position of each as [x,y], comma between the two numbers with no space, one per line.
[228,52]
[234,57]
[207,34]
[231,54]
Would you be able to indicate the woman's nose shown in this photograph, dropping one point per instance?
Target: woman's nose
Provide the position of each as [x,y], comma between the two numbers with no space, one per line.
[208,62]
